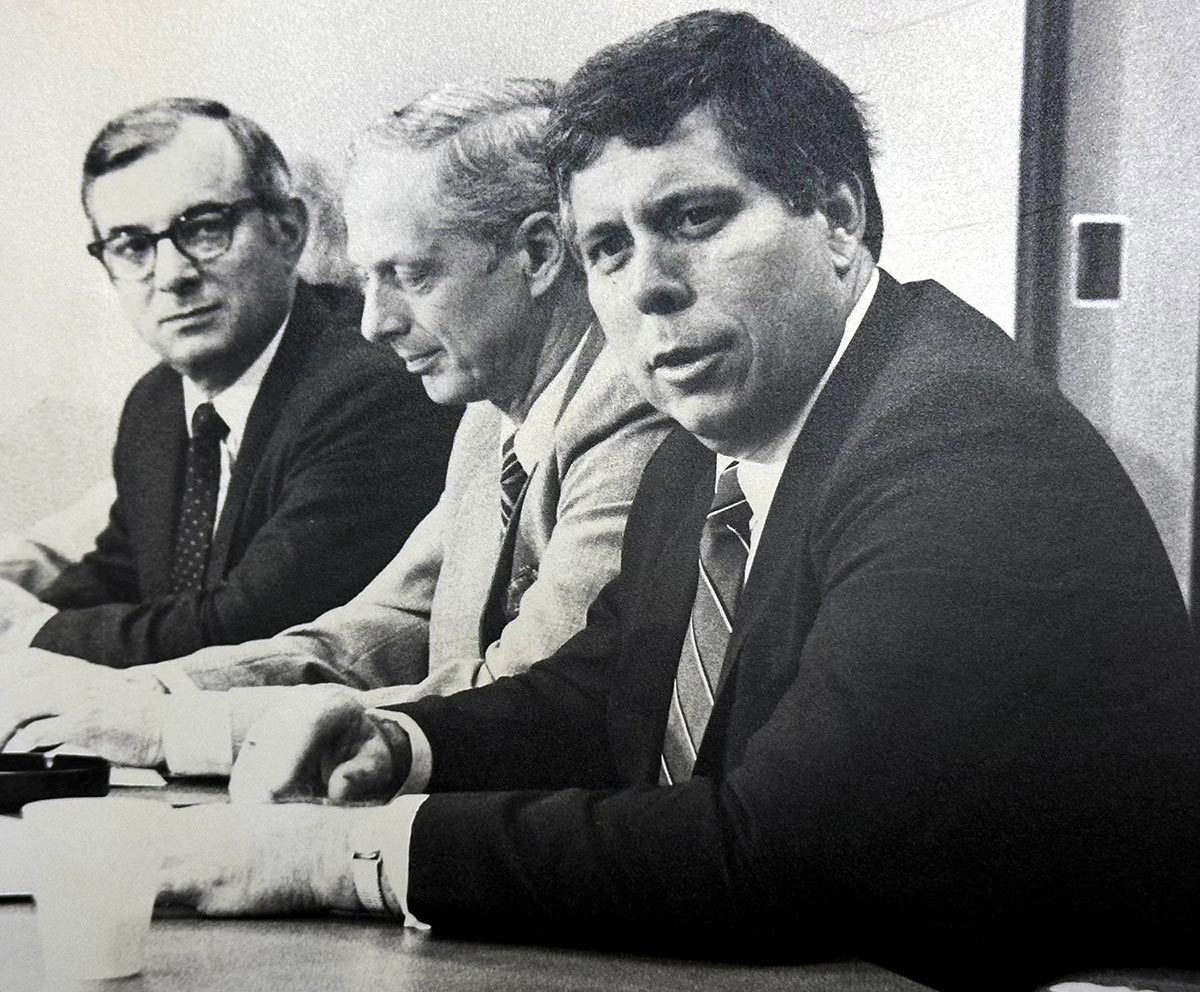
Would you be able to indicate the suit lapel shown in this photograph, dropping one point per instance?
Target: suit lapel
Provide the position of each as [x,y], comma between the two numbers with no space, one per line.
[498,611]
[589,351]
[265,416]
[495,614]
[155,506]
[667,570]
[785,535]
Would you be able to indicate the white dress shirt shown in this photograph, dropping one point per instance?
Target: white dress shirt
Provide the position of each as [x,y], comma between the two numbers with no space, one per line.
[233,405]
[758,480]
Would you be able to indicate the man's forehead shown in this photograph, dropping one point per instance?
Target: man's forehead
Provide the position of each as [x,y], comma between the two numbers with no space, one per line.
[393,205]
[199,163]
[694,152]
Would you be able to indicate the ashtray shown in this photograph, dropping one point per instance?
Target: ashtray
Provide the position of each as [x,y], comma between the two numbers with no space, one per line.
[26,776]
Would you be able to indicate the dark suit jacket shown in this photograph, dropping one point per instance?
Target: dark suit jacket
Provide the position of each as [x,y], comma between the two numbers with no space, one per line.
[956,723]
[342,456]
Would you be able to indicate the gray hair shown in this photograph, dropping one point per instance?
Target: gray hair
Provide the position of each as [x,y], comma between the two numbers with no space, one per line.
[490,138]
[148,128]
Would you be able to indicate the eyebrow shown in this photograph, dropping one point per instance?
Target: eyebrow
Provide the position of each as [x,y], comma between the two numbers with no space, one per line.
[674,201]
[409,264]
[415,263]
[197,208]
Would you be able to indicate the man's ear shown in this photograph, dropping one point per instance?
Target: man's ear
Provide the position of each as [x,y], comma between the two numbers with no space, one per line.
[291,225]
[845,211]
[540,250]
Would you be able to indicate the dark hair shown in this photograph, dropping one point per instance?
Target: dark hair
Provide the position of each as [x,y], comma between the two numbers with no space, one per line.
[791,123]
[145,129]
[489,134]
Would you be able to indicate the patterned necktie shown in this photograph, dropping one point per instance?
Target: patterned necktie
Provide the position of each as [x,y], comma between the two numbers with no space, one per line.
[512,481]
[198,508]
[724,549]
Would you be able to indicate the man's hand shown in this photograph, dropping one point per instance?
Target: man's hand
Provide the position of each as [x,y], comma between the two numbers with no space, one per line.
[229,860]
[321,745]
[118,715]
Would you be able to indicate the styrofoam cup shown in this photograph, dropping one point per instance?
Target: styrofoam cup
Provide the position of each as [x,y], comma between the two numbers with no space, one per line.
[96,865]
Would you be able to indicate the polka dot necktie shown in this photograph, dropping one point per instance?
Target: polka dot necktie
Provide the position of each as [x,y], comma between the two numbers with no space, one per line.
[724,550]
[512,481]
[198,508]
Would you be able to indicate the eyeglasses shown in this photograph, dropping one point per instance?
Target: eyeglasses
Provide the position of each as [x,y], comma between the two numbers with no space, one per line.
[200,234]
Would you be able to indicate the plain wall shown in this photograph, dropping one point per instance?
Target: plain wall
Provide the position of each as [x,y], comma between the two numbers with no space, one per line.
[1132,149]
[942,79]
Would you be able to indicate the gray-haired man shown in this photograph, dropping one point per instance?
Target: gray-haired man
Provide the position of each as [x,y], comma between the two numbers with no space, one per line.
[453,224]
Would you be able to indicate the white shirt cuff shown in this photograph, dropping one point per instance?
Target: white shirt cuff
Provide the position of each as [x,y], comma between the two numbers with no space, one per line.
[173,676]
[421,769]
[395,846]
[197,733]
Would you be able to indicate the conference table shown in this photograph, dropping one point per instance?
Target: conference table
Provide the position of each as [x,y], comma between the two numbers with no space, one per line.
[187,952]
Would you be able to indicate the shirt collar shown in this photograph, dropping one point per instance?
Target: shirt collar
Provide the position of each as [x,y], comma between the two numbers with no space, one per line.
[534,436]
[233,403]
[760,479]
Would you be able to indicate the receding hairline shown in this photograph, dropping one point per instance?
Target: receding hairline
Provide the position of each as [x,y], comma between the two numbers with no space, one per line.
[240,158]
[150,128]
[368,167]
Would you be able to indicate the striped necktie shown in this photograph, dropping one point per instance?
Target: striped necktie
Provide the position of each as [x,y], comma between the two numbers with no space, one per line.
[512,481]
[724,549]
[198,507]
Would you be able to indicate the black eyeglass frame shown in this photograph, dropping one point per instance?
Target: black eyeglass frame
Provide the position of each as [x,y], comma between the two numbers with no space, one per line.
[230,214]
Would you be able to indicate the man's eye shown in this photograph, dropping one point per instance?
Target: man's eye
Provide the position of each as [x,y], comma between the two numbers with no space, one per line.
[413,276]
[607,253]
[131,246]
[701,220]
[205,228]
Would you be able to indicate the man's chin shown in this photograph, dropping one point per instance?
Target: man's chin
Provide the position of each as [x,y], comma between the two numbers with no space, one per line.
[446,391]
[722,431]
[207,357]
[714,436]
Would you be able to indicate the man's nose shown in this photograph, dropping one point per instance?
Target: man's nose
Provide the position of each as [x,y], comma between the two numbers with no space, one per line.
[173,270]
[661,285]
[385,314]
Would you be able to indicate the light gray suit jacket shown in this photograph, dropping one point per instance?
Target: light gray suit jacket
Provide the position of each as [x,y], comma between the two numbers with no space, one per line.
[419,628]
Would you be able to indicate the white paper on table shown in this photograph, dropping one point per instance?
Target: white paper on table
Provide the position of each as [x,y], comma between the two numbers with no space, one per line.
[139,778]
[125,776]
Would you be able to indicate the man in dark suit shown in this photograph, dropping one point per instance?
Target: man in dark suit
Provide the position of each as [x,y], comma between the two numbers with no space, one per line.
[949,721]
[274,461]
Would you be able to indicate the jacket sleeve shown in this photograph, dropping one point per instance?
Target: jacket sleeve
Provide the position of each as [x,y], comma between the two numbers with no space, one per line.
[362,470]
[900,776]
[379,638]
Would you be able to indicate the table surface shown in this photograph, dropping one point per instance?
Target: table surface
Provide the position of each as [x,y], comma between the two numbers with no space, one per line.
[187,952]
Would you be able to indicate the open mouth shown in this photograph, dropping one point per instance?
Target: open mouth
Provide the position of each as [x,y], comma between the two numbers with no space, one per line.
[688,366]
[422,362]
[679,358]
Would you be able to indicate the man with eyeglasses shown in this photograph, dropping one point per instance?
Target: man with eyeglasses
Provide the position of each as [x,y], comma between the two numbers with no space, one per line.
[274,461]
[453,225]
